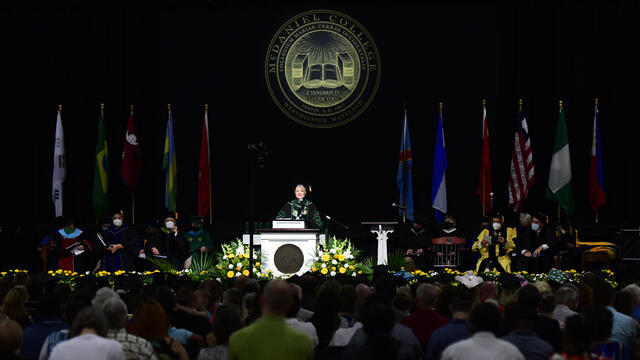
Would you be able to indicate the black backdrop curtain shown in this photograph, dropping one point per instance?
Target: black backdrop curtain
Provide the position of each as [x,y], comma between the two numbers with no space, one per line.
[188,53]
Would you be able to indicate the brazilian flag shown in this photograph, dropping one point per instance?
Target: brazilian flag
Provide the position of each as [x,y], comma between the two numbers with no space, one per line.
[170,168]
[101,171]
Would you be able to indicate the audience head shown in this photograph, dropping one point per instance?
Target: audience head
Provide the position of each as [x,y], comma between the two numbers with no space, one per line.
[385,285]
[72,310]
[10,337]
[149,320]
[102,295]
[203,299]
[583,330]
[623,302]
[529,296]
[402,301]
[377,322]
[547,304]
[115,311]
[525,220]
[294,305]
[226,322]
[277,296]
[567,296]
[13,303]
[603,293]
[89,318]
[49,306]
[487,291]
[485,317]
[251,286]
[363,291]
[525,318]
[186,297]
[348,299]
[543,288]
[233,297]
[332,286]
[427,295]
[635,291]
[461,302]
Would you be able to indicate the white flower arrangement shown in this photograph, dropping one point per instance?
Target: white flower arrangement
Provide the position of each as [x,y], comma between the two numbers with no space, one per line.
[333,251]
[230,266]
[334,262]
[324,266]
[333,273]
[239,264]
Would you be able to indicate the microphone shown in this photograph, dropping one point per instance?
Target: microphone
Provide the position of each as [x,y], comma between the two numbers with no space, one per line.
[399,206]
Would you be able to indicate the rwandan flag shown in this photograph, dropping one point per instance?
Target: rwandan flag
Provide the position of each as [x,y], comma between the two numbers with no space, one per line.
[596,173]
[169,167]
[101,171]
[404,177]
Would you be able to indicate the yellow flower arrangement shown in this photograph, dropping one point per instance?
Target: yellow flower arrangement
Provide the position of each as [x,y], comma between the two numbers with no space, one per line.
[245,273]
[326,257]
[230,274]
[314,269]
[342,270]
[340,257]
[324,271]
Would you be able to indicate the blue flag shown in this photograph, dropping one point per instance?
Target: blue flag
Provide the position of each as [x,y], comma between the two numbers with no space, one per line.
[439,183]
[403,180]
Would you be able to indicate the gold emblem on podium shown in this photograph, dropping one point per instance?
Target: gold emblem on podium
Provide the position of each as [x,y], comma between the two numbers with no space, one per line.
[322,68]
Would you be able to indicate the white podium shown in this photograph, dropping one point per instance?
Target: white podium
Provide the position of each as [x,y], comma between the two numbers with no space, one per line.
[288,252]
[382,229]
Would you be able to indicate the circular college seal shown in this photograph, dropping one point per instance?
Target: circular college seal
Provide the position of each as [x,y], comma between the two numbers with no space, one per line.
[322,68]
[288,259]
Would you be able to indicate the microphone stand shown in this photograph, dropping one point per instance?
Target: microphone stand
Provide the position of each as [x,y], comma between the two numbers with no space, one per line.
[335,221]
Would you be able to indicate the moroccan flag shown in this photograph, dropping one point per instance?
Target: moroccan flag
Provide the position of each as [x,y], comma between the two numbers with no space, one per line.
[169,167]
[101,170]
[59,165]
[439,180]
[204,166]
[404,178]
[596,173]
[131,156]
[560,187]
[484,179]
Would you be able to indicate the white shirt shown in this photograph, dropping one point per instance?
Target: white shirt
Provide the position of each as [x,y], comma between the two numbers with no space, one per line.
[305,328]
[482,345]
[343,336]
[88,346]
[561,313]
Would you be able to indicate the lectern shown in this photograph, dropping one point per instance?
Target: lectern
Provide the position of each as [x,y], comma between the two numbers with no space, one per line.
[382,229]
[288,249]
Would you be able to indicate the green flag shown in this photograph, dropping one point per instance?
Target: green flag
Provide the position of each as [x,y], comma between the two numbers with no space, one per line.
[560,187]
[101,171]
[170,168]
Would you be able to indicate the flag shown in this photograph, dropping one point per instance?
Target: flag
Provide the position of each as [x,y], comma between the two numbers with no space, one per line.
[439,183]
[484,179]
[596,174]
[404,178]
[204,166]
[101,170]
[522,170]
[170,168]
[59,165]
[131,165]
[560,188]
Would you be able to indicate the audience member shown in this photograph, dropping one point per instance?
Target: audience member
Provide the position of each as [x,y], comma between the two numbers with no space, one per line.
[306,328]
[10,339]
[566,302]
[87,339]
[303,314]
[270,337]
[134,347]
[13,306]
[624,330]
[226,322]
[150,323]
[72,309]
[483,344]
[48,322]
[425,320]
[457,329]
[635,291]
[524,337]
[234,297]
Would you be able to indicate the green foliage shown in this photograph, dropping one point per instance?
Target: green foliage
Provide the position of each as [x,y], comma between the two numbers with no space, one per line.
[162,264]
[396,261]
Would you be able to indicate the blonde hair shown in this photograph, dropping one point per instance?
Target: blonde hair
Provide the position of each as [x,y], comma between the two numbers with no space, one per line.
[301,186]
[10,336]
[13,304]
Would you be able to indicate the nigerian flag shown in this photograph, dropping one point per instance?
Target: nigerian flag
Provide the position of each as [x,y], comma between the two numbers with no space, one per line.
[101,171]
[560,188]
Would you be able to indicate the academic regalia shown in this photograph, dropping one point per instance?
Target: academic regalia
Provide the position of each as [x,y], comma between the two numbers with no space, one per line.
[495,255]
[302,210]
[122,259]
[66,260]
[196,240]
[169,244]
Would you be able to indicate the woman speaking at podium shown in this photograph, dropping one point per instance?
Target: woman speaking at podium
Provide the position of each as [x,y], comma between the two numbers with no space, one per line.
[302,209]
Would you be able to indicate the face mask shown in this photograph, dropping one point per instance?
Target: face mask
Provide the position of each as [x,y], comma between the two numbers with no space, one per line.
[117,222]
[535,227]
[68,230]
[447,225]
[496,226]
[169,224]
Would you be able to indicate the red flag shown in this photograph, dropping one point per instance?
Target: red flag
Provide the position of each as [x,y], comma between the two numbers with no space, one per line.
[131,157]
[204,184]
[596,173]
[484,179]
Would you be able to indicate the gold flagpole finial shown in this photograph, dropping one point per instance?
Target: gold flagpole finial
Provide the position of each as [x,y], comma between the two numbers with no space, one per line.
[101,106]
[560,102]
[484,102]
[59,107]
[596,101]
[131,109]
[206,106]
[441,105]
[169,107]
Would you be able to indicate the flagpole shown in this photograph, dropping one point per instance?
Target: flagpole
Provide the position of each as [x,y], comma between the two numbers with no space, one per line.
[405,173]
[560,110]
[596,111]
[133,198]
[484,104]
[206,111]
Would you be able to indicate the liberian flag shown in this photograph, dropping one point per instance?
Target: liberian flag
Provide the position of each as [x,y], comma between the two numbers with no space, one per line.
[596,173]
[560,187]
[522,169]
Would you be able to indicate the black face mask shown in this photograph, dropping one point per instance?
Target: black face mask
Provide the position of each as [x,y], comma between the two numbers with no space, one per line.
[447,225]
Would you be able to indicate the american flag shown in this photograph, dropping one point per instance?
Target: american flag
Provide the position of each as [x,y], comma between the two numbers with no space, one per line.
[522,172]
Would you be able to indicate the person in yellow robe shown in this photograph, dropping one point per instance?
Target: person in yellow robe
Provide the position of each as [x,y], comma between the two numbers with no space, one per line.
[495,245]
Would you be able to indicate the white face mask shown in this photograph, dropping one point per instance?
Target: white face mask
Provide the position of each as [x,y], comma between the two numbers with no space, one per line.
[496,226]
[535,227]
[169,224]
[117,222]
